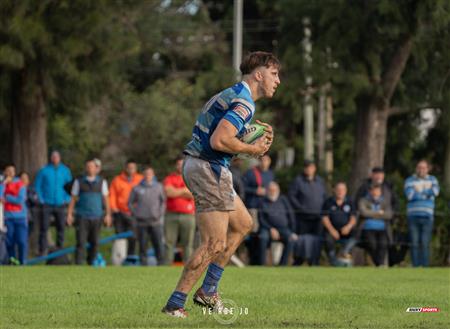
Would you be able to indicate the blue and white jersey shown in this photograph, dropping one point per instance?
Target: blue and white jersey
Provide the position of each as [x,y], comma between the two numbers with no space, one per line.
[420,193]
[233,104]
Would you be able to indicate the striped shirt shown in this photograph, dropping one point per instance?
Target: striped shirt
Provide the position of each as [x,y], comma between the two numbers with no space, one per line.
[421,193]
[233,104]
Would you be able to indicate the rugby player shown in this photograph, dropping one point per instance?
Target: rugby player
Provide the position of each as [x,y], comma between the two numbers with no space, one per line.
[222,218]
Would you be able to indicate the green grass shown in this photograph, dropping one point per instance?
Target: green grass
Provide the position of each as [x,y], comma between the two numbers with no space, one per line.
[131,297]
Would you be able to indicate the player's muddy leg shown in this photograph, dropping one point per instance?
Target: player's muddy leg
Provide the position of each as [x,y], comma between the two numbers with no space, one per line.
[240,224]
[213,231]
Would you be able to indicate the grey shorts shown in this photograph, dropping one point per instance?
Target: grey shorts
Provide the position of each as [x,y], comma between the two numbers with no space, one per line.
[210,184]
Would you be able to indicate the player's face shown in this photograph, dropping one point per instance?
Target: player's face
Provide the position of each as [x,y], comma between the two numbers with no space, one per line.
[269,81]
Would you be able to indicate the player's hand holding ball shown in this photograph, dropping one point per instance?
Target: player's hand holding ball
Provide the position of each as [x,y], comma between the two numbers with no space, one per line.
[260,135]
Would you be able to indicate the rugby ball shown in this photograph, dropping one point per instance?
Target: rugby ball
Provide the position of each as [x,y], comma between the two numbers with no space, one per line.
[252,133]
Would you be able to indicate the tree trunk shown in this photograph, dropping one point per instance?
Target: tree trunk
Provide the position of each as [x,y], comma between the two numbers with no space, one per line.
[370,141]
[29,125]
[370,137]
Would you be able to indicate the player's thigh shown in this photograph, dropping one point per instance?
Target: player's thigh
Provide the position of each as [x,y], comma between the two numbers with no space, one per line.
[213,225]
[240,218]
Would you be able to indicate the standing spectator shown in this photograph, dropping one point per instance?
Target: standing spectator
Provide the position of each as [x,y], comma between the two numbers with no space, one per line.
[148,204]
[33,213]
[375,214]
[339,220]
[119,194]
[421,190]
[180,219]
[277,223]
[238,181]
[307,194]
[89,196]
[49,185]
[378,177]
[15,213]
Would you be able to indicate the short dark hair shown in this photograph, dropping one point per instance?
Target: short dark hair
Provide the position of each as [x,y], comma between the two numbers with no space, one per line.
[257,59]
[377,170]
[130,161]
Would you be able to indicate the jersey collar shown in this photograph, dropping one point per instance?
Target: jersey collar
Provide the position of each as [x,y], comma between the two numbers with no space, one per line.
[247,86]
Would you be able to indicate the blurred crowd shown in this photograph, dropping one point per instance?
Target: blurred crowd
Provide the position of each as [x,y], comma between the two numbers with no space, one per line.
[289,228]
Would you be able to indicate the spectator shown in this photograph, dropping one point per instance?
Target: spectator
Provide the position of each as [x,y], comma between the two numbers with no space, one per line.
[375,214]
[307,194]
[378,177]
[89,197]
[119,193]
[148,204]
[33,213]
[238,181]
[339,220]
[15,213]
[256,180]
[180,219]
[49,185]
[277,222]
[421,190]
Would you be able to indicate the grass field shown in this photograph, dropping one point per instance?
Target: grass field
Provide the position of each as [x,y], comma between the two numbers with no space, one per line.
[131,297]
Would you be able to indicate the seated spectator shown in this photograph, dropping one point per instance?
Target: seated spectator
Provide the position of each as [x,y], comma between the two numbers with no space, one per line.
[277,221]
[421,191]
[89,197]
[15,214]
[339,220]
[148,204]
[375,213]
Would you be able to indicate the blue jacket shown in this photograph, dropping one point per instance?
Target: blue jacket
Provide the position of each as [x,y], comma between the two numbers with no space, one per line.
[49,184]
[420,193]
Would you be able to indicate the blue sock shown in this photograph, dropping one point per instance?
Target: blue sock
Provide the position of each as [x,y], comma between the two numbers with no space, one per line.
[212,277]
[176,300]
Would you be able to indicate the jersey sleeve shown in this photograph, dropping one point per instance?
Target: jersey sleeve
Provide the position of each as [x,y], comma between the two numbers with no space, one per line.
[239,114]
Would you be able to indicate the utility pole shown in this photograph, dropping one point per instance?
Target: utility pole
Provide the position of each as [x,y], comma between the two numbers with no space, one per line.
[237,36]
[308,114]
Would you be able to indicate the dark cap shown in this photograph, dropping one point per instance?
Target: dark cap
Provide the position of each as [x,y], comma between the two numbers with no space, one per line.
[377,170]
[308,162]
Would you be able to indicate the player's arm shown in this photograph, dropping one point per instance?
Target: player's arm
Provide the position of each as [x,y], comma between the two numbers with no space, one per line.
[224,139]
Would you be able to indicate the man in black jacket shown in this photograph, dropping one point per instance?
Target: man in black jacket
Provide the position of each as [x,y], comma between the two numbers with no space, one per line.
[387,190]
[307,194]
[276,223]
